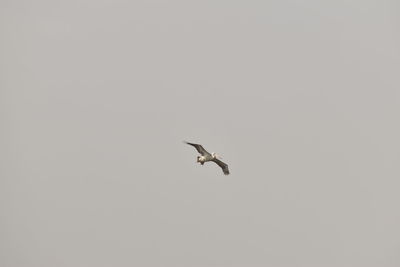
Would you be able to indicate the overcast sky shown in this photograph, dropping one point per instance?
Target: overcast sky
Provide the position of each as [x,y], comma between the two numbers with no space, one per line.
[300,98]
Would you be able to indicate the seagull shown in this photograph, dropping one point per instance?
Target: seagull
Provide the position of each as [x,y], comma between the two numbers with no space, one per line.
[206,156]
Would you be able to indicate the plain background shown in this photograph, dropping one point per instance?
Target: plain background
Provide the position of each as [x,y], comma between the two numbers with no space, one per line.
[300,98]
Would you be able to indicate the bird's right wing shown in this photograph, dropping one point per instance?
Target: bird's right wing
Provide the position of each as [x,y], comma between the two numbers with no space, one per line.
[199,148]
[223,166]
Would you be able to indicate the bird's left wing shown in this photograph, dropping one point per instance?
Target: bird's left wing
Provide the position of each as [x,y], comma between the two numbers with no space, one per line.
[199,148]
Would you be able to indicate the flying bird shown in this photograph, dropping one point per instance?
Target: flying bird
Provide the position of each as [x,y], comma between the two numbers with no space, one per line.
[206,156]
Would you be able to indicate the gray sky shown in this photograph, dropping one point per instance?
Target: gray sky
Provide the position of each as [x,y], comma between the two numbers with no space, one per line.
[301,98]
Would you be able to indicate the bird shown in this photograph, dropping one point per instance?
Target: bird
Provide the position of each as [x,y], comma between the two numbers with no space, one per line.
[206,156]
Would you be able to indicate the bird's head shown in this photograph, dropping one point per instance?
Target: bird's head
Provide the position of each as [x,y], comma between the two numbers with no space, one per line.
[200,159]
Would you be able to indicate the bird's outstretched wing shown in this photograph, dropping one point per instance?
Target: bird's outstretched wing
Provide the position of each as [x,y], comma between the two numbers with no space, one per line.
[223,166]
[199,148]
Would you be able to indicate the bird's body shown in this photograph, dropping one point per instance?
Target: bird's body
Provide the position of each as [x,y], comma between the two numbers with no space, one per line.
[203,159]
[205,156]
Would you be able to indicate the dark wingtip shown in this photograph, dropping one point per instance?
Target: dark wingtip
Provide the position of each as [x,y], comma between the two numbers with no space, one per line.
[188,143]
